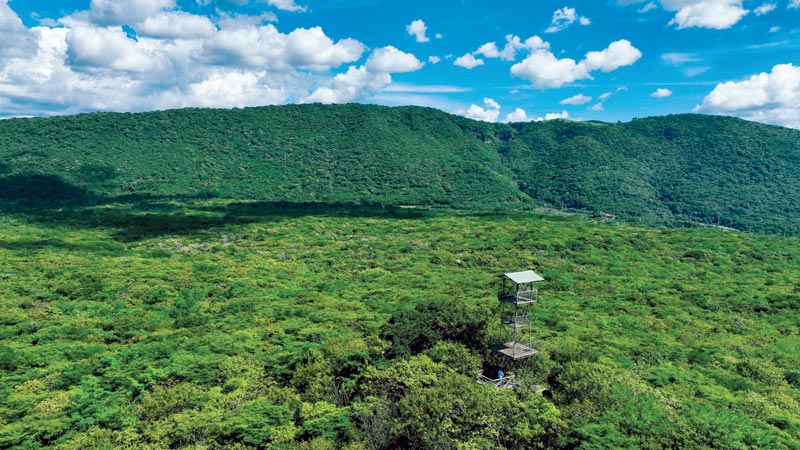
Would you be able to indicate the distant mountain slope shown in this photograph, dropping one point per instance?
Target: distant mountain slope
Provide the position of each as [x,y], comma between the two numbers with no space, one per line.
[307,153]
[662,170]
[715,170]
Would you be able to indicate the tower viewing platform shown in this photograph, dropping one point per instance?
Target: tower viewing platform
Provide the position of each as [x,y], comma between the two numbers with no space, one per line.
[518,292]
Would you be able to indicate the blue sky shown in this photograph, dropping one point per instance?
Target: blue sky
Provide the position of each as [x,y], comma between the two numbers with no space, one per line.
[501,60]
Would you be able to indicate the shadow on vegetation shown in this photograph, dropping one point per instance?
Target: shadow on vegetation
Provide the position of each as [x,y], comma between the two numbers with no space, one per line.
[49,200]
[37,189]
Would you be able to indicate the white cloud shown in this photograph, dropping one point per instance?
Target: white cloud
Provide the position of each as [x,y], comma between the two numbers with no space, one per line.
[417,29]
[15,38]
[265,47]
[564,17]
[661,93]
[488,50]
[356,83]
[578,99]
[433,59]
[92,48]
[234,88]
[468,61]
[794,4]
[368,80]
[694,71]
[391,60]
[312,49]
[714,14]
[765,8]
[553,116]
[677,59]
[518,115]
[544,70]
[772,97]
[87,63]
[618,54]
[121,12]
[775,28]
[513,44]
[176,25]
[488,113]
[599,106]
[286,5]
[648,7]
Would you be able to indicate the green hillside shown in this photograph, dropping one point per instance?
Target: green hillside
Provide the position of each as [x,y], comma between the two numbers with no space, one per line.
[682,168]
[218,324]
[329,154]
[672,170]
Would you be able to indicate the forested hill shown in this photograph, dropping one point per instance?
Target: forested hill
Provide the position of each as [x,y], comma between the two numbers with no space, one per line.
[663,170]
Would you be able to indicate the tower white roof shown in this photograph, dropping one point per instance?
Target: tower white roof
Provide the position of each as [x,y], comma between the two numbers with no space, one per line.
[527,276]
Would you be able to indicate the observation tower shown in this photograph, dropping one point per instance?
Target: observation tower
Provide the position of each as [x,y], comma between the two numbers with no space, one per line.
[517,293]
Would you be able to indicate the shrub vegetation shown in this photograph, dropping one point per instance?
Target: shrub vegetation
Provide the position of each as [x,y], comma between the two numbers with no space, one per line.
[215,323]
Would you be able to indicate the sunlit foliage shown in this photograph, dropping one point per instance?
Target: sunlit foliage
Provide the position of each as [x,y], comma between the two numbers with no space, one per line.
[209,324]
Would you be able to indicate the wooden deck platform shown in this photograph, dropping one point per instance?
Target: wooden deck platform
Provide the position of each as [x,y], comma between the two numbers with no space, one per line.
[517,351]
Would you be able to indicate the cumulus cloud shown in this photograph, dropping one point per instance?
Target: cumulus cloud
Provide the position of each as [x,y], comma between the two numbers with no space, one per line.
[544,70]
[433,59]
[578,99]
[512,45]
[518,115]
[553,116]
[354,84]
[234,88]
[618,54]
[87,62]
[418,29]
[15,38]
[794,4]
[714,14]
[661,93]
[367,80]
[468,61]
[564,17]
[489,112]
[488,50]
[266,47]
[91,49]
[770,97]
[121,12]
[176,25]
[391,60]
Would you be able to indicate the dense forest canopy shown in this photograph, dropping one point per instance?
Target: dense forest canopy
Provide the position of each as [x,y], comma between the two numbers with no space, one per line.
[221,324]
[671,170]
[321,277]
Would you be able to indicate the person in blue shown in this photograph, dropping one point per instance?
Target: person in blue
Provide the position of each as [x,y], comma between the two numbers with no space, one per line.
[500,374]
